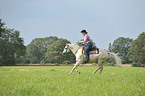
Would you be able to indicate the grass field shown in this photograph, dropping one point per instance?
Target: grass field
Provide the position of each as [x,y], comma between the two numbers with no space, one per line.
[55,81]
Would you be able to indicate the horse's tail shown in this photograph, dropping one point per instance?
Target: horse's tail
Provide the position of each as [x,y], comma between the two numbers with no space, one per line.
[117,59]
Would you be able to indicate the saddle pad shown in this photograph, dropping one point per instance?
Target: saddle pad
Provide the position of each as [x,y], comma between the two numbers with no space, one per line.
[93,52]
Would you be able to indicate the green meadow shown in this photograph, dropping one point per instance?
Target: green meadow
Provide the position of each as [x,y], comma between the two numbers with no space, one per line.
[56,81]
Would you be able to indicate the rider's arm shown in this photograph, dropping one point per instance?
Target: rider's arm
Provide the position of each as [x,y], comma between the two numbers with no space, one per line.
[85,39]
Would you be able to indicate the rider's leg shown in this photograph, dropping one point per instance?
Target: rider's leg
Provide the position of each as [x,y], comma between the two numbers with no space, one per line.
[87,51]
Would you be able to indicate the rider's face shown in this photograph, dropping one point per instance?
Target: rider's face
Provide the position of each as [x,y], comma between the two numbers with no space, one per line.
[83,34]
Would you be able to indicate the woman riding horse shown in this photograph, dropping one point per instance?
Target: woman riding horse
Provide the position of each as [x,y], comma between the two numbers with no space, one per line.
[88,42]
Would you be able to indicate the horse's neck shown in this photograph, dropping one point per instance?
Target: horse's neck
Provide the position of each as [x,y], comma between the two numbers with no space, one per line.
[74,48]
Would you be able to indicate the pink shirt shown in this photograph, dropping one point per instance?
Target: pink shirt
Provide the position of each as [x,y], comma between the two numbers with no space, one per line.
[86,39]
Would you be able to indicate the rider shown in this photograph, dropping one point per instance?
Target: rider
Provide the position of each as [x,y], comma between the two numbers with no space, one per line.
[88,42]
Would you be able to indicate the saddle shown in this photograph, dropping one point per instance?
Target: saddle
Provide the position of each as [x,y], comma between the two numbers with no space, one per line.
[94,50]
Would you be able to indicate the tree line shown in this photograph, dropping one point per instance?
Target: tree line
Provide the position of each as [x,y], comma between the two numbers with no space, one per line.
[11,45]
[49,49]
[130,51]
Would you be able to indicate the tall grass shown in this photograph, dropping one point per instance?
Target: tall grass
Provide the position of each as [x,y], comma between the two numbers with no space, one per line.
[55,81]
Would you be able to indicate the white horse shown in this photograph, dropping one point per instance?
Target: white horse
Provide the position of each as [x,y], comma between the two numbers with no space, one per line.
[80,57]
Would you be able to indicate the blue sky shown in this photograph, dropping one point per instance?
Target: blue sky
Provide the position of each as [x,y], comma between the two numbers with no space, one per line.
[105,20]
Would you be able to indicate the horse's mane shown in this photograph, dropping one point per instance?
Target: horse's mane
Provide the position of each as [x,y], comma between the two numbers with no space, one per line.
[76,45]
[80,45]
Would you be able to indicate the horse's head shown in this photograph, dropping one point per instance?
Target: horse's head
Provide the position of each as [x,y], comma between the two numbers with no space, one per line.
[66,49]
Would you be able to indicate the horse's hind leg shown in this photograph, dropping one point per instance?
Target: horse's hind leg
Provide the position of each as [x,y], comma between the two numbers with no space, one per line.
[101,69]
[96,70]
[100,66]
[102,62]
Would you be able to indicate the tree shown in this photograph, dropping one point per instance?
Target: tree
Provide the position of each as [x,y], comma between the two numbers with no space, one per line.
[137,50]
[54,53]
[1,28]
[11,46]
[1,41]
[37,48]
[121,46]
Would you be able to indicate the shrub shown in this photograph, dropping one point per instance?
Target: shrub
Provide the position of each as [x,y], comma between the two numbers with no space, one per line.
[66,62]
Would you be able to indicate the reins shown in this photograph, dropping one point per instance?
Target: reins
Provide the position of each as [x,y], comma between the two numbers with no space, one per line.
[77,50]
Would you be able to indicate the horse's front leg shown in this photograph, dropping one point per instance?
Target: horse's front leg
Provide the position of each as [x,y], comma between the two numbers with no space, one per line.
[78,61]
[77,70]
[74,67]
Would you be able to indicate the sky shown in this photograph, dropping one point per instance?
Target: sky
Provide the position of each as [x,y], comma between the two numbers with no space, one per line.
[105,20]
